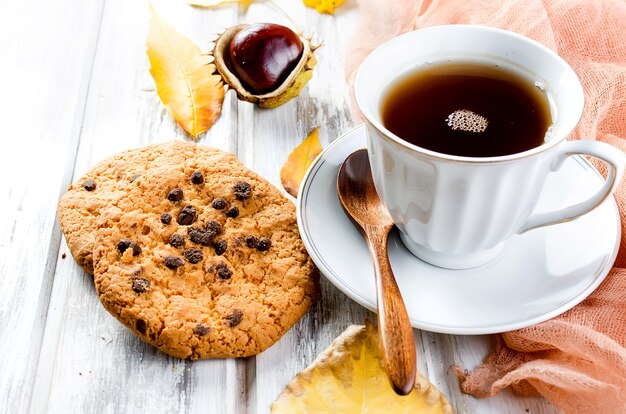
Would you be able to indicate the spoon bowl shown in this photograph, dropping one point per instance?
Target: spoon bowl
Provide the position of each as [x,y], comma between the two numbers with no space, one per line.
[358,196]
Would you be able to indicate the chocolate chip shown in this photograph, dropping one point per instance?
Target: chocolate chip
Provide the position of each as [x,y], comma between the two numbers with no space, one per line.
[232,212]
[166,218]
[193,255]
[200,236]
[141,284]
[242,190]
[201,330]
[197,178]
[214,226]
[264,244]
[63,256]
[177,240]
[123,244]
[175,195]
[235,318]
[141,326]
[223,272]
[173,262]
[89,185]
[252,242]
[218,204]
[136,249]
[187,215]
[220,247]
[134,177]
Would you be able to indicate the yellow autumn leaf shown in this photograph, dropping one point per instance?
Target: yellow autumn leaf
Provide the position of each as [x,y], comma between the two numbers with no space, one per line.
[184,78]
[323,6]
[218,3]
[348,377]
[299,162]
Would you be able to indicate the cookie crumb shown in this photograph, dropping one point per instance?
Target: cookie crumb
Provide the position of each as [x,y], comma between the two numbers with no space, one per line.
[63,256]
[89,185]
[242,190]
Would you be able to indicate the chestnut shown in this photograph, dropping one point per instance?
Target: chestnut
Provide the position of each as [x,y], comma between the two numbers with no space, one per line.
[262,56]
[264,63]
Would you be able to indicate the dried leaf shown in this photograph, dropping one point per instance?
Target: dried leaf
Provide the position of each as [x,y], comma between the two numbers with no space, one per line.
[348,378]
[323,6]
[299,162]
[184,78]
[209,4]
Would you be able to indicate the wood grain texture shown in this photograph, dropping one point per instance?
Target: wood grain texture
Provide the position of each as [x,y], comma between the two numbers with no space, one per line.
[109,368]
[76,88]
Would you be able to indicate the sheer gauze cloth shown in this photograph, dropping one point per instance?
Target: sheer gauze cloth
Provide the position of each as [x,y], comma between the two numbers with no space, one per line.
[578,359]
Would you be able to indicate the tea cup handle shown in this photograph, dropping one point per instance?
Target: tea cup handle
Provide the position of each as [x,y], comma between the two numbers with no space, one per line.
[607,153]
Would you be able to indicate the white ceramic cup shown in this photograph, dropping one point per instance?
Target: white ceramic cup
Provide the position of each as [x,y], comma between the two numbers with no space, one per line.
[457,212]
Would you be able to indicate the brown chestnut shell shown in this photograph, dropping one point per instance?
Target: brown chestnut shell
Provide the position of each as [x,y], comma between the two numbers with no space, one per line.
[288,89]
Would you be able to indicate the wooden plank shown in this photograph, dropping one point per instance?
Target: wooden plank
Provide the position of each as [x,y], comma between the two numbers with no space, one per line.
[270,136]
[44,73]
[90,362]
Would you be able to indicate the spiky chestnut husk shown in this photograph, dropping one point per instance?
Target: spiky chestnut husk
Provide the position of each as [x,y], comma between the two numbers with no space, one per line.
[288,89]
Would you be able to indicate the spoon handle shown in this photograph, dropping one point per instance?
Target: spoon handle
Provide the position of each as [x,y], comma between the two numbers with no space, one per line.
[395,331]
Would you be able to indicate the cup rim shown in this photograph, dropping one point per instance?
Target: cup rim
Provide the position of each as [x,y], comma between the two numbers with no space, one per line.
[373,120]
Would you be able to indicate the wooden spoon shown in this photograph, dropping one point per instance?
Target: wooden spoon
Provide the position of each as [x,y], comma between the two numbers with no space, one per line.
[359,199]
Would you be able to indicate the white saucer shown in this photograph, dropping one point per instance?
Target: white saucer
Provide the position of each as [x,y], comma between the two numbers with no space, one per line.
[538,275]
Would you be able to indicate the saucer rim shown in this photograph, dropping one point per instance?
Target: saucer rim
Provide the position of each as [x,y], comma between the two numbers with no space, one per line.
[601,273]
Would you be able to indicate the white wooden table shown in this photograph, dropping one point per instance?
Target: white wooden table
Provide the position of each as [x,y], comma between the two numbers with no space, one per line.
[75,88]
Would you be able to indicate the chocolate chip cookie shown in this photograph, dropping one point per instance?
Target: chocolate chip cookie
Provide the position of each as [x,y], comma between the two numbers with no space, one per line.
[203,259]
[81,206]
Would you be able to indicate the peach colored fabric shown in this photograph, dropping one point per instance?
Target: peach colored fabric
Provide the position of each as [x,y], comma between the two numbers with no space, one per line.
[578,359]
